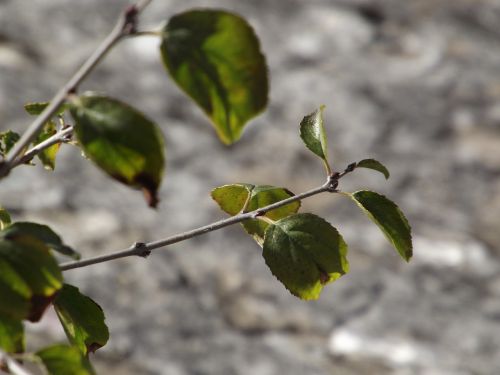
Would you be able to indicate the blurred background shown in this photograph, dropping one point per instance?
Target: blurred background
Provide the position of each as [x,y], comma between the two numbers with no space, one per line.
[415,84]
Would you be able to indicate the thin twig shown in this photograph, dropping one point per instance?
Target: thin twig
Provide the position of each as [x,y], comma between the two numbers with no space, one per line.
[144,249]
[12,366]
[61,136]
[124,26]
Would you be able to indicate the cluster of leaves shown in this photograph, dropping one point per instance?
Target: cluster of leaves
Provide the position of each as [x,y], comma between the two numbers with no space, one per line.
[30,281]
[303,250]
[214,56]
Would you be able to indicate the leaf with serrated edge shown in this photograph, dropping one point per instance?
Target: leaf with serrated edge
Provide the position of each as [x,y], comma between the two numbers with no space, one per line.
[375,165]
[312,132]
[65,360]
[42,233]
[389,218]
[121,141]
[82,319]
[214,56]
[11,334]
[232,199]
[305,252]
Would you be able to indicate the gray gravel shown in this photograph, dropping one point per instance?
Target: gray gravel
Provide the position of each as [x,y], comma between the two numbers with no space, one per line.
[415,84]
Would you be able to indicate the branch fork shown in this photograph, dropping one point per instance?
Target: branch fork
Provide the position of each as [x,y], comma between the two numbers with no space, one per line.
[125,26]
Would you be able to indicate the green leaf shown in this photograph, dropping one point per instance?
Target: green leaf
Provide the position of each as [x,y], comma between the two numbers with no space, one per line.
[389,219]
[65,360]
[312,132]
[232,199]
[7,140]
[375,165]
[36,108]
[42,233]
[11,334]
[5,219]
[215,58]
[30,277]
[305,252]
[48,155]
[82,319]
[121,141]
[15,293]
[262,196]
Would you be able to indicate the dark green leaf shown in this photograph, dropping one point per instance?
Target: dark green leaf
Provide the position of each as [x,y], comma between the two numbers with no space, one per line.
[375,165]
[11,334]
[42,233]
[82,319]
[5,219]
[312,132]
[389,219]
[48,155]
[121,141]
[30,277]
[65,360]
[7,140]
[214,56]
[232,199]
[35,108]
[305,252]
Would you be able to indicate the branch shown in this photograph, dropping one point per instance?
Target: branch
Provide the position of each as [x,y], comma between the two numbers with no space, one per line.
[12,365]
[61,136]
[125,26]
[144,249]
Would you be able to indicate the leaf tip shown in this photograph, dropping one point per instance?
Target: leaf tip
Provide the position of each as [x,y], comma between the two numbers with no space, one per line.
[374,165]
[151,197]
[92,348]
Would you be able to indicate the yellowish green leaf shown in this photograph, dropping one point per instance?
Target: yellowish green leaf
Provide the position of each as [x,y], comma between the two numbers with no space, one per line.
[215,58]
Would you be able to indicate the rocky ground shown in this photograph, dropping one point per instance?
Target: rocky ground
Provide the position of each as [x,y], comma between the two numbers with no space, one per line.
[415,84]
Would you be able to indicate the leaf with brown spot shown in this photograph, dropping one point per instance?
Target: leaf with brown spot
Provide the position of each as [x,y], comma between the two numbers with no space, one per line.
[121,141]
[82,319]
